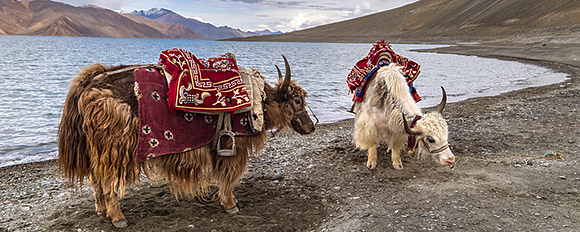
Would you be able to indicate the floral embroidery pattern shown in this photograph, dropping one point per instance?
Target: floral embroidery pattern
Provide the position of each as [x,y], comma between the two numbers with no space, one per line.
[240,98]
[168,135]
[187,98]
[244,121]
[204,85]
[208,119]
[155,96]
[146,129]
[154,142]
[188,117]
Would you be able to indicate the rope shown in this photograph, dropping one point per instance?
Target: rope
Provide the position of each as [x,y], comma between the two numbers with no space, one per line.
[131,68]
[549,155]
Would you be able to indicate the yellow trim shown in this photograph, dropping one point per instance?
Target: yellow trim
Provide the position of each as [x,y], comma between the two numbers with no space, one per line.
[232,89]
[176,100]
[216,109]
[224,81]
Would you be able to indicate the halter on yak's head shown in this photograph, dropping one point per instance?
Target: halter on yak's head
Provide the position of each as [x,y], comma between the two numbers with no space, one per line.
[293,96]
[431,135]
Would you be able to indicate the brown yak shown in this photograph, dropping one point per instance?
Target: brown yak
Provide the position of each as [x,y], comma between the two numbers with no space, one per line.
[98,137]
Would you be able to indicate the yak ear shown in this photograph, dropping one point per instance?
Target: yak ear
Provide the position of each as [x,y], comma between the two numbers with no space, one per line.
[283,91]
[409,130]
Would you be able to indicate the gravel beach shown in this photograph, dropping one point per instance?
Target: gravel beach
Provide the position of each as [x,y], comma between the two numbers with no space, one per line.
[518,157]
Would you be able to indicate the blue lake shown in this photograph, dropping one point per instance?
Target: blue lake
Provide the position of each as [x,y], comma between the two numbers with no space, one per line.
[36,73]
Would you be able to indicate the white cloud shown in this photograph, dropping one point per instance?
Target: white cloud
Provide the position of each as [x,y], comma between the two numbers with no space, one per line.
[357,10]
[109,4]
[257,14]
[366,5]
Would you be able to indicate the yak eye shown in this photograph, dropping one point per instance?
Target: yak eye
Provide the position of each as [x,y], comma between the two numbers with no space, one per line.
[430,139]
[297,101]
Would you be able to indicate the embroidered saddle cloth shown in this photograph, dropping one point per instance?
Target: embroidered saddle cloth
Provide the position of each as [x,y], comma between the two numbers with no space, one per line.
[210,85]
[365,69]
[164,132]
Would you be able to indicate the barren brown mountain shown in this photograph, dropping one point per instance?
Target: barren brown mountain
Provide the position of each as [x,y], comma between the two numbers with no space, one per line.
[48,18]
[13,16]
[176,31]
[452,21]
[207,29]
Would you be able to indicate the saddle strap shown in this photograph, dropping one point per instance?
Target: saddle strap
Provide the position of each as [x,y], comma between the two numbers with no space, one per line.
[218,128]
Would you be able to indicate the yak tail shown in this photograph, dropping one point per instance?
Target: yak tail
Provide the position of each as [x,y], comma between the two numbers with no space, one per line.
[73,157]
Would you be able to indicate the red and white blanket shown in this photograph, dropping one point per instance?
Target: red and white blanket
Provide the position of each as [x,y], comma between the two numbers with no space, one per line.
[356,78]
[210,85]
[162,132]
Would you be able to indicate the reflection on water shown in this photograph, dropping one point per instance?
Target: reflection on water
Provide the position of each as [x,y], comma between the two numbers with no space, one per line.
[36,73]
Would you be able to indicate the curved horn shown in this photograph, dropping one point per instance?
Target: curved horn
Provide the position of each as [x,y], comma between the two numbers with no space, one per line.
[284,88]
[441,105]
[407,129]
[279,73]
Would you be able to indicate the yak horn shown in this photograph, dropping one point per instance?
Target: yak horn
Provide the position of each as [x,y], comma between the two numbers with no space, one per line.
[279,73]
[407,129]
[284,88]
[441,105]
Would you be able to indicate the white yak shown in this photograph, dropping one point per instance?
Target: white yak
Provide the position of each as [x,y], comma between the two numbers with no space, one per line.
[381,117]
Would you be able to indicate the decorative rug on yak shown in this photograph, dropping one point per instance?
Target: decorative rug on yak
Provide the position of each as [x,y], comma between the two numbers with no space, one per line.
[210,85]
[365,70]
[164,132]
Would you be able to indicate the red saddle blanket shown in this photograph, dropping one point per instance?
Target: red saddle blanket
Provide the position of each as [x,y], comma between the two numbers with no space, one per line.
[163,132]
[210,85]
[356,77]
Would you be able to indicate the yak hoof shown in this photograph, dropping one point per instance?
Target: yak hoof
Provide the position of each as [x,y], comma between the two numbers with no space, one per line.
[233,210]
[371,165]
[398,166]
[120,224]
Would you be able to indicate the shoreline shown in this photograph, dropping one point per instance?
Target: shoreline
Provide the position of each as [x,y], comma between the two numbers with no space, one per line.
[457,49]
[320,180]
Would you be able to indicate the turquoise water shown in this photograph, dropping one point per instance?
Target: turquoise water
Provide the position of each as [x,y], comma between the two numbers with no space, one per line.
[35,74]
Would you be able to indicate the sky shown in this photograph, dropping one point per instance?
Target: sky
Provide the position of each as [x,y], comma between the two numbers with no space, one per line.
[252,15]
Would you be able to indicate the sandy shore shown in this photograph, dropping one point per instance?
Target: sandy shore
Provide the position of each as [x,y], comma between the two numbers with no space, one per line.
[319,182]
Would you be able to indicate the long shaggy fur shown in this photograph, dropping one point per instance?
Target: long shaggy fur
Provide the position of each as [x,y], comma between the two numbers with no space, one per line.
[378,116]
[98,138]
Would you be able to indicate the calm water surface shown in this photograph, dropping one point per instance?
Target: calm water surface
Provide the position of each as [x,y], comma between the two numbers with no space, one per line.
[35,73]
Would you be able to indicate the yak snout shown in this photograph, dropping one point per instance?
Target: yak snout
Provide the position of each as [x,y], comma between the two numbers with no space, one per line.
[303,124]
[451,160]
[446,157]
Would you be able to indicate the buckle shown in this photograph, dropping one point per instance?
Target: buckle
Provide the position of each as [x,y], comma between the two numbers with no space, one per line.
[226,151]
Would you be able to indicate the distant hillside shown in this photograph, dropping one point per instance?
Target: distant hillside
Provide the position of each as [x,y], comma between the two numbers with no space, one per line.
[49,18]
[176,31]
[452,21]
[264,32]
[207,29]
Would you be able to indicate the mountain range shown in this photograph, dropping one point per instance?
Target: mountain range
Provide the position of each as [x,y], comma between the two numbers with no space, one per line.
[424,21]
[453,21]
[48,18]
[207,29]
